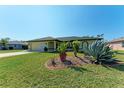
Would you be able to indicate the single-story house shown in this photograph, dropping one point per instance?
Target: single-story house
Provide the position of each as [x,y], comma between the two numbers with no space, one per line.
[15,45]
[18,45]
[0,46]
[117,44]
[52,43]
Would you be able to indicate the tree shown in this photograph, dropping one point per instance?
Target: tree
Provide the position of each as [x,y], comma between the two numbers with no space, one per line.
[4,42]
[62,51]
[75,45]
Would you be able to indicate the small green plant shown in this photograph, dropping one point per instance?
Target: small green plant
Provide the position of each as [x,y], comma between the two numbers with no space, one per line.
[75,45]
[99,52]
[62,51]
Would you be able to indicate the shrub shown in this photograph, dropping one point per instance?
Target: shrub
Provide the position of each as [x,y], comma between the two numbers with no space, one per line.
[62,48]
[11,48]
[62,51]
[99,52]
[24,47]
[45,49]
[75,45]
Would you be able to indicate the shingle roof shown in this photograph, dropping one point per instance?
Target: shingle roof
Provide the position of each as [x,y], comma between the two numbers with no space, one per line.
[68,38]
[43,39]
[17,42]
[75,38]
[71,38]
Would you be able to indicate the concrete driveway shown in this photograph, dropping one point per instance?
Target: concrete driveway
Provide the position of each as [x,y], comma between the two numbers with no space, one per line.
[13,54]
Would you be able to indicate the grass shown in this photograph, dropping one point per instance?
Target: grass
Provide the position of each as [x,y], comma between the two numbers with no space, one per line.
[120,51]
[9,51]
[29,71]
[120,55]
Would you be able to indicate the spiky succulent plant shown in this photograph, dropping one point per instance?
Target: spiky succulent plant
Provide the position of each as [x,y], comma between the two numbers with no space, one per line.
[99,51]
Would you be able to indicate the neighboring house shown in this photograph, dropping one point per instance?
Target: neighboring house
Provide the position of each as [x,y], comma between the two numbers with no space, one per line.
[17,45]
[0,46]
[52,43]
[117,44]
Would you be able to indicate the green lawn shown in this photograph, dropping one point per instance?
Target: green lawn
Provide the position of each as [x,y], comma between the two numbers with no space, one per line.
[9,51]
[29,71]
[120,55]
[120,51]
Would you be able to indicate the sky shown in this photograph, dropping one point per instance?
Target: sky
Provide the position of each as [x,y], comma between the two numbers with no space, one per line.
[31,22]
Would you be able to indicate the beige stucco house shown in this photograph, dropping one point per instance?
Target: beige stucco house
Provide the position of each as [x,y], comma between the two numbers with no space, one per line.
[52,43]
[117,44]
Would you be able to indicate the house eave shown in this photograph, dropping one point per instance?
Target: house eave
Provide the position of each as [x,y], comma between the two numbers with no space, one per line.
[80,39]
[41,40]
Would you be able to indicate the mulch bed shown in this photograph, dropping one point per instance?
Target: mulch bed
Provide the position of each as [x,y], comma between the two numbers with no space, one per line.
[72,61]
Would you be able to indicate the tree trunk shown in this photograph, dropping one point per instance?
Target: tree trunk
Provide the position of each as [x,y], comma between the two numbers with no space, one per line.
[75,53]
[63,57]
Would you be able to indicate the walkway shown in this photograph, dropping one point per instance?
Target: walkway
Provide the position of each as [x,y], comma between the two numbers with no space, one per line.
[13,54]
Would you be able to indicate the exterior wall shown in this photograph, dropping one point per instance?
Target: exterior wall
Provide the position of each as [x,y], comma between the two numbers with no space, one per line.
[38,46]
[116,46]
[16,46]
[52,45]
[13,46]
[0,46]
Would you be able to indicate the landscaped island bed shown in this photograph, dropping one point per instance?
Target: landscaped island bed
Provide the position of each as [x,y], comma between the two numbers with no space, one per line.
[29,71]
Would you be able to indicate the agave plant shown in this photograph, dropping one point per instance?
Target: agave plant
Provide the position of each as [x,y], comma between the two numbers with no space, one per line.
[75,47]
[99,52]
[62,51]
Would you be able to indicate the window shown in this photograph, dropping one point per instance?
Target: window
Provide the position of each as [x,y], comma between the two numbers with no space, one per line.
[122,44]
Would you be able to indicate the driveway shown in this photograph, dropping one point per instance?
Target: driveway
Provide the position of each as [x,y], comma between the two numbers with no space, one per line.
[13,54]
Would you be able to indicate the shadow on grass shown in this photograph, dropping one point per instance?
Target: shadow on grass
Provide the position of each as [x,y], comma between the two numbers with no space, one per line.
[117,64]
[119,67]
[80,69]
[106,67]
[120,53]
[81,59]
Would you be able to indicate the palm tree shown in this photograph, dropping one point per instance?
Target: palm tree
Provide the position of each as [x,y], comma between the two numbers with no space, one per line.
[62,51]
[4,42]
[76,45]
